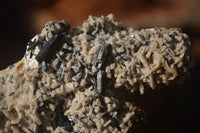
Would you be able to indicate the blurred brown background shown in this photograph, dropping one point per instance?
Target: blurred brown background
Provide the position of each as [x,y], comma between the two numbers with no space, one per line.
[168,110]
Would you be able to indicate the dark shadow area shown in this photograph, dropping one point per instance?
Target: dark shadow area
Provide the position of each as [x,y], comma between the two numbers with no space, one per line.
[14,32]
[175,109]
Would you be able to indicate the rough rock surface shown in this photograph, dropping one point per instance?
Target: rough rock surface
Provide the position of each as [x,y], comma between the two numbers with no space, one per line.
[68,79]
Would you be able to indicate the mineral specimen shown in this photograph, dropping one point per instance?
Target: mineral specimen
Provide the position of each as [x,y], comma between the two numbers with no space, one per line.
[68,79]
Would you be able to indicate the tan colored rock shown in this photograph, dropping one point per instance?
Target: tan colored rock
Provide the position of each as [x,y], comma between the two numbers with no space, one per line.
[68,79]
